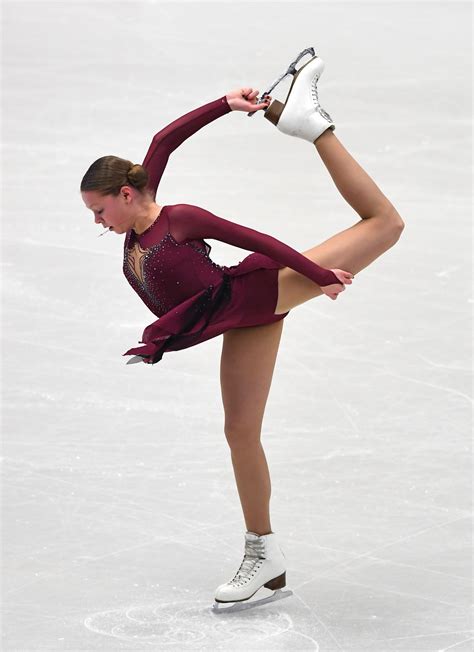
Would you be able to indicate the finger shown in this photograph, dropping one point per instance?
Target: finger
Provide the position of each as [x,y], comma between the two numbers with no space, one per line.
[255,107]
[264,105]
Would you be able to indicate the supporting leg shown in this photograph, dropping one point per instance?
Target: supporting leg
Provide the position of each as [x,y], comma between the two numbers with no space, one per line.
[245,387]
[253,483]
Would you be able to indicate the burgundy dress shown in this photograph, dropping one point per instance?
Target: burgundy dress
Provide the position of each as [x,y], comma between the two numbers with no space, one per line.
[169,267]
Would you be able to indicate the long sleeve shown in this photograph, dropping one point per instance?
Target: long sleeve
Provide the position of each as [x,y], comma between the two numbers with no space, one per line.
[192,222]
[171,137]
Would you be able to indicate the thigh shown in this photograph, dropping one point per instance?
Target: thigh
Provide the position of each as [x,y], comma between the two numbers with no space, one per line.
[351,250]
[246,371]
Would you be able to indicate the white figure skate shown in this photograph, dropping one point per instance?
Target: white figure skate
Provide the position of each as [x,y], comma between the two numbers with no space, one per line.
[263,566]
[301,115]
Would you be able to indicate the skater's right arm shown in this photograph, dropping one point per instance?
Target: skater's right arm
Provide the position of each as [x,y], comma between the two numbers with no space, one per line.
[169,138]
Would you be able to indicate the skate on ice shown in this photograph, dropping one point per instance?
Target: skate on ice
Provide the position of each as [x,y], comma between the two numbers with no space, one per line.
[263,566]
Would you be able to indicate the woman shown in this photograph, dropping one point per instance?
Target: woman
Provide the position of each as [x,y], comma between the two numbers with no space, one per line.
[166,261]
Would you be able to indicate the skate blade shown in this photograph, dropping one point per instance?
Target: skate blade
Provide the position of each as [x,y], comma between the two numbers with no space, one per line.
[244,604]
[291,70]
[135,359]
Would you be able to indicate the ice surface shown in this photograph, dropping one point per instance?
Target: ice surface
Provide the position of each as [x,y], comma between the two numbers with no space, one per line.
[120,510]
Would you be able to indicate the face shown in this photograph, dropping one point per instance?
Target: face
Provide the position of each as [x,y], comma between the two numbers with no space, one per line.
[111,211]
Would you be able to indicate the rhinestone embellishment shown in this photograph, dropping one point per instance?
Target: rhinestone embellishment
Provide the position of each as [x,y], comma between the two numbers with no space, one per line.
[136,263]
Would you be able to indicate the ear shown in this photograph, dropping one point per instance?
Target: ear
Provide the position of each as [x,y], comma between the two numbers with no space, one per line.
[126,193]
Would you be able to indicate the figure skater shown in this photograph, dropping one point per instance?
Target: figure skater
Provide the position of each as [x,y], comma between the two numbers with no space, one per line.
[166,261]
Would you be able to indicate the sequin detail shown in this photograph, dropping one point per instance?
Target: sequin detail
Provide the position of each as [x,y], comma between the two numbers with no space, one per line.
[150,271]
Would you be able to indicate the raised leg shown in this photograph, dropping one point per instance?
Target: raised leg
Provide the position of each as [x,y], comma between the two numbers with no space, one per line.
[245,387]
[356,247]
[352,181]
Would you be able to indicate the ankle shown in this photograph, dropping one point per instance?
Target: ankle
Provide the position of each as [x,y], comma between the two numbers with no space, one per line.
[324,136]
[261,532]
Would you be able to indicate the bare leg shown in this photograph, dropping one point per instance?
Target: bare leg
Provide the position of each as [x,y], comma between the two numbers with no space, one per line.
[352,181]
[254,486]
[354,248]
[245,387]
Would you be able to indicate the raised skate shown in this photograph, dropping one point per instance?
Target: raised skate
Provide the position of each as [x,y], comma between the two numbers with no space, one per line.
[301,115]
[263,566]
[291,70]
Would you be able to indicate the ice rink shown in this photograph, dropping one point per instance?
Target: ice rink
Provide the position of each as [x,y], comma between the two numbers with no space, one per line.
[120,510]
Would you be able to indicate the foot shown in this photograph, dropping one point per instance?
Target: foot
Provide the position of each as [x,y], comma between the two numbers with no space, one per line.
[263,566]
[302,115]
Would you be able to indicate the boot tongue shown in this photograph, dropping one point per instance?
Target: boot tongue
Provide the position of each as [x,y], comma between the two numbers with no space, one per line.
[254,547]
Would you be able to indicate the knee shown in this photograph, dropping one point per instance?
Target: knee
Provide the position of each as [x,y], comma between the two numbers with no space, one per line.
[242,435]
[395,225]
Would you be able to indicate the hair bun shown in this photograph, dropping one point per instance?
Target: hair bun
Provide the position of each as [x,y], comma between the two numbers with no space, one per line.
[109,173]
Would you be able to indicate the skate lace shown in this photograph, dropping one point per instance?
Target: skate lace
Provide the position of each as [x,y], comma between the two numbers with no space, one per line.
[314,90]
[253,559]
[314,93]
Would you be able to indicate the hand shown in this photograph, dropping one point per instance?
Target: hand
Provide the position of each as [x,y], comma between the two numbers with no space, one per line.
[244,99]
[334,289]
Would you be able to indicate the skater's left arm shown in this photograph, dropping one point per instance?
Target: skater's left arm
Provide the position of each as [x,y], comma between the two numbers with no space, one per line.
[192,222]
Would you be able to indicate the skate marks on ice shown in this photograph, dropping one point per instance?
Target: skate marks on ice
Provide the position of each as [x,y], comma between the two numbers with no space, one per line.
[167,623]
[180,623]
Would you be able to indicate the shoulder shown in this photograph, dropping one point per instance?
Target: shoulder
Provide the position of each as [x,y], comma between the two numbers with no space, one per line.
[180,208]
[185,221]
[183,212]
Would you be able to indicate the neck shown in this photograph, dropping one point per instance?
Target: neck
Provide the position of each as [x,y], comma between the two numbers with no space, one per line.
[146,219]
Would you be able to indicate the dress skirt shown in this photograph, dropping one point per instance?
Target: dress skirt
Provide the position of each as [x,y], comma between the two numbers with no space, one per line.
[246,295]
